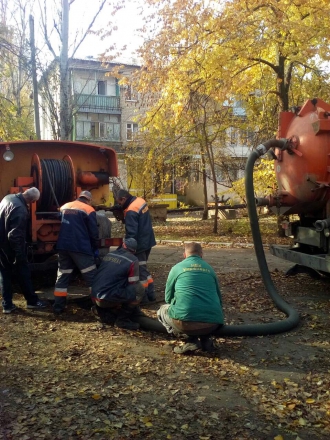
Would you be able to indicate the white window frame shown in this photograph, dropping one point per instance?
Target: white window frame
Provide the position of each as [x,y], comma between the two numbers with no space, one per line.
[131,128]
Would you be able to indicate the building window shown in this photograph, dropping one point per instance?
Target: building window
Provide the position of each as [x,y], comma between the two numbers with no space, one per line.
[131,128]
[101,87]
[233,135]
[130,94]
[112,86]
[83,130]
[98,127]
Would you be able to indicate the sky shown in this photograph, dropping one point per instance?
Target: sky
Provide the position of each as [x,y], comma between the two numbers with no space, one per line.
[128,20]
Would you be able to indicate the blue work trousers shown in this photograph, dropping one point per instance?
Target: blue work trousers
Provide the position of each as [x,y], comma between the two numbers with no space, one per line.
[67,262]
[145,277]
[22,274]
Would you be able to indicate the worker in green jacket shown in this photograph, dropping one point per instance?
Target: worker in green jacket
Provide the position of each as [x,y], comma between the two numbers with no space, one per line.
[193,297]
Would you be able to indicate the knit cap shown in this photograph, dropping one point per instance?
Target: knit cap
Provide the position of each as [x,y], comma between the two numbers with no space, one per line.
[130,244]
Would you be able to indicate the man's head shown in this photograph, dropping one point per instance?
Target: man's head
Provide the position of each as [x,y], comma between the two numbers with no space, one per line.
[130,244]
[192,248]
[122,196]
[31,195]
[86,195]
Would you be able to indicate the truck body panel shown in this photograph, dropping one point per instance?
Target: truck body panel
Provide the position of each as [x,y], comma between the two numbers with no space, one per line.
[60,170]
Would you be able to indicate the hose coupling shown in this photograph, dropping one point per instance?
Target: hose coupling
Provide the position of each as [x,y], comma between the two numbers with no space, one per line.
[320,225]
[261,150]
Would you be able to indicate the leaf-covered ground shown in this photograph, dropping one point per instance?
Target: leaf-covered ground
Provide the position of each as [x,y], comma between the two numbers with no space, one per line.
[189,226]
[70,378]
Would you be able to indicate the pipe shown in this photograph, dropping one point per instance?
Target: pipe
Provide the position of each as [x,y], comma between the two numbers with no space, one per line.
[320,225]
[92,178]
[292,319]
[262,201]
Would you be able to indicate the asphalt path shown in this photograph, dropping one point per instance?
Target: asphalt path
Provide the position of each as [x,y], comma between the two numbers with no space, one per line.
[222,259]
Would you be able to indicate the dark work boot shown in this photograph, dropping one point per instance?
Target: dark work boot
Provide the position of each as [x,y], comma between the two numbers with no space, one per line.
[58,308]
[123,319]
[103,315]
[207,343]
[59,304]
[106,316]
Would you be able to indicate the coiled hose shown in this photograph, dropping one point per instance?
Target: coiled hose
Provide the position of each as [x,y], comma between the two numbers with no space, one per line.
[292,319]
[56,183]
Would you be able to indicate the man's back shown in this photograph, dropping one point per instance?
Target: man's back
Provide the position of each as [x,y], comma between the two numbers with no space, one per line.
[138,224]
[192,290]
[79,232]
[13,218]
[117,270]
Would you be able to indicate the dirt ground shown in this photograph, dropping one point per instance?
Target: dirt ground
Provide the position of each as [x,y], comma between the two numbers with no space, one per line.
[71,378]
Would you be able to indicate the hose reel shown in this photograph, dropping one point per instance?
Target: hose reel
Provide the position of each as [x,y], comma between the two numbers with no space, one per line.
[55,180]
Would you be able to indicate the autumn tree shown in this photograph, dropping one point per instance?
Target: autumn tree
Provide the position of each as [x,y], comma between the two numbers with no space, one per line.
[269,56]
[15,78]
[186,98]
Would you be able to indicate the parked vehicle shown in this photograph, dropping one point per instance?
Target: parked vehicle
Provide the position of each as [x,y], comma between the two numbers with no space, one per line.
[302,167]
[60,170]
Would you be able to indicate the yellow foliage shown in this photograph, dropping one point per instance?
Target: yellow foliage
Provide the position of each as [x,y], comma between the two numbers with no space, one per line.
[264,180]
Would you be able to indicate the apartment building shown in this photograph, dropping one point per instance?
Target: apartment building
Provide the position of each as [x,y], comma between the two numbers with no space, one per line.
[102,110]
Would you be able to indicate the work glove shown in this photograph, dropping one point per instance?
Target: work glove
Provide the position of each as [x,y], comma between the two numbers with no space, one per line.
[118,212]
[116,207]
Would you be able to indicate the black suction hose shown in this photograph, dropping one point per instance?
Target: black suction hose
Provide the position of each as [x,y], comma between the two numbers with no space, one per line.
[292,319]
[56,183]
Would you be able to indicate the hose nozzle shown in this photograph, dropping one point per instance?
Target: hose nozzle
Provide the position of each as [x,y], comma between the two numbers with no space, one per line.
[272,143]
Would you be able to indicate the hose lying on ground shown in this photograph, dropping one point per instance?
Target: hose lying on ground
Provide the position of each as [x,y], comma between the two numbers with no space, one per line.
[292,319]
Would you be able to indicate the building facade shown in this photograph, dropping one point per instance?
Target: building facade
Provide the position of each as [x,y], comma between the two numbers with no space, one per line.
[102,111]
[105,110]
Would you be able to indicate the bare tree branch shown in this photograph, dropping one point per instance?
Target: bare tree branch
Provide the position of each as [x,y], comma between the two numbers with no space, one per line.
[89,27]
[45,28]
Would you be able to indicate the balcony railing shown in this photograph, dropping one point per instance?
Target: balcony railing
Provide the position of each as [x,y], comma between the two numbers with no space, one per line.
[97,102]
[107,138]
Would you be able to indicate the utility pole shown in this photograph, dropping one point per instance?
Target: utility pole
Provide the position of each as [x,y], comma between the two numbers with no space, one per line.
[64,74]
[34,78]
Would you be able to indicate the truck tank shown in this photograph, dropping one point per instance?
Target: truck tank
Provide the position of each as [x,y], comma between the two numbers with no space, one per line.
[302,167]
[60,170]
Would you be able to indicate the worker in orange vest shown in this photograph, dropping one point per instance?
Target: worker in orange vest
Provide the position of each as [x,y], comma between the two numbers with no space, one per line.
[138,225]
[77,246]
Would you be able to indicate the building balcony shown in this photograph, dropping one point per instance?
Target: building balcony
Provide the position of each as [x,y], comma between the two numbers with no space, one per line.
[97,103]
[92,139]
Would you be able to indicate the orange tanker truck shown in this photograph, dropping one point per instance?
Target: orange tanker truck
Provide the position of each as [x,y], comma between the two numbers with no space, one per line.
[302,166]
[60,170]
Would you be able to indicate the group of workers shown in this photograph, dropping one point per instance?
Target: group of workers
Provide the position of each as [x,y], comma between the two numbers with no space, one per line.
[121,282]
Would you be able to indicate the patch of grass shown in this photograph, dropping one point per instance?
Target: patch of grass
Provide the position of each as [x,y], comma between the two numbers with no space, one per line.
[186,228]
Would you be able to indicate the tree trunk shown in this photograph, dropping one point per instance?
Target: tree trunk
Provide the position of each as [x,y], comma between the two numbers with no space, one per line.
[34,79]
[64,75]
[205,212]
